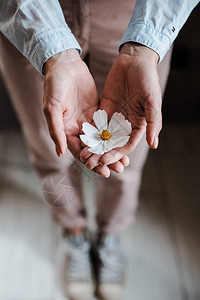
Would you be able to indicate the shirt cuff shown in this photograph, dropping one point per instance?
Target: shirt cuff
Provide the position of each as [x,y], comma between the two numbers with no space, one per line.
[45,46]
[148,36]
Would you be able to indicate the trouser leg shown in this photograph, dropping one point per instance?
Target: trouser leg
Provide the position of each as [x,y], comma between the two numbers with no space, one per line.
[59,176]
[117,196]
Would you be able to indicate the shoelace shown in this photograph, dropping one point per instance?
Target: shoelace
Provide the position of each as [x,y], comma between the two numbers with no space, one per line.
[79,265]
[111,270]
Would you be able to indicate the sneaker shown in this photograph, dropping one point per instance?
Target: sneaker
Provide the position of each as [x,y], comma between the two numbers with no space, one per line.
[78,270]
[110,273]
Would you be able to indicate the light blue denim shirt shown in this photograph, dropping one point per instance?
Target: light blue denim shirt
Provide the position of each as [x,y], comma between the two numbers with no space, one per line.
[38,28]
[156,23]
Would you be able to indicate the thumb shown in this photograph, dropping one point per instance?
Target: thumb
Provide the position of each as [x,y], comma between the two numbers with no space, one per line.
[153,116]
[54,117]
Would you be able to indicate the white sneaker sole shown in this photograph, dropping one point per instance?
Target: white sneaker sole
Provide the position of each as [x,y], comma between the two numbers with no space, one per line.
[79,290]
[110,291]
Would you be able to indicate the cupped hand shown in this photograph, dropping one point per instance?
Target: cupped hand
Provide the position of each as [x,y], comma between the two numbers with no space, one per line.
[70,98]
[132,88]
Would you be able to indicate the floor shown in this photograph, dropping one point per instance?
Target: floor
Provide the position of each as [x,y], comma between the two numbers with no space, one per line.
[162,247]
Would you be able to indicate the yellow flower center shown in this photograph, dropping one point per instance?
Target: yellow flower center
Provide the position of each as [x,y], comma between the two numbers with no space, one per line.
[105,135]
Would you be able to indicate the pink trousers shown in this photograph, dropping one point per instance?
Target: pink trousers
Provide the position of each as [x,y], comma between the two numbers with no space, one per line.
[98,26]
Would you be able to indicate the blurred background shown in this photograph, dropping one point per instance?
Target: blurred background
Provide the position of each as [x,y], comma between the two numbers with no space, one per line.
[163,245]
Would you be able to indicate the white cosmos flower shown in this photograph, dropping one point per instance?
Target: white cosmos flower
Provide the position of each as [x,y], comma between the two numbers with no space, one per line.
[106,137]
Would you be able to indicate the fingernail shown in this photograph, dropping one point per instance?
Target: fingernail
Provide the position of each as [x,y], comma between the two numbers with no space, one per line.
[155,143]
[58,151]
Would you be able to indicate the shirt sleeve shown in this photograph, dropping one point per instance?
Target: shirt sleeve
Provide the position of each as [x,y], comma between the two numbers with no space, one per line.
[37,28]
[156,23]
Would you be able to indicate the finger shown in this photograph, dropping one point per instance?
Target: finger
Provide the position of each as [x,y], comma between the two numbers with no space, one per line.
[118,153]
[102,170]
[153,117]
[125,161]
[74,146]
[93,161]
[116,167]
[54,119]
[85,154]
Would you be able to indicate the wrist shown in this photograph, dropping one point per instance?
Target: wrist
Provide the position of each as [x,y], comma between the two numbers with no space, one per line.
[69,55]
[139,50]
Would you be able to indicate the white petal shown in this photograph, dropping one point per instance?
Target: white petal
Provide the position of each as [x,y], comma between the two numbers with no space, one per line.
[119,141]
[123,129]
[89,130]
[98,149]
[118,125]
[100,118]
[108,146]
[89,140]
[115,120]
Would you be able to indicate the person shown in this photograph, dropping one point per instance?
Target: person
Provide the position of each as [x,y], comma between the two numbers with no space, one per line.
[35,37]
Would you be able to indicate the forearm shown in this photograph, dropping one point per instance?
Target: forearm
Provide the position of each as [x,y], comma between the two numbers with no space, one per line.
[156,23]
[37,28]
